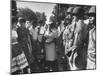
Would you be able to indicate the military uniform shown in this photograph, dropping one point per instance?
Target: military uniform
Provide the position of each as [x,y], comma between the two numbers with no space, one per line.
[68,36]
[91,58]
[80,42]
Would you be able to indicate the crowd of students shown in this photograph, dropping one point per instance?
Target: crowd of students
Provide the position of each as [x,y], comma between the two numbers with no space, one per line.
[71,45]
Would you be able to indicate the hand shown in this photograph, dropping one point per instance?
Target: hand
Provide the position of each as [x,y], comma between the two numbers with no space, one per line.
[72,48]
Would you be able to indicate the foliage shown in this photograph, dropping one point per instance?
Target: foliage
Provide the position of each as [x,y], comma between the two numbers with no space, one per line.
[34,17]
[27,14]
[59,11]
[13,8]
[41,18]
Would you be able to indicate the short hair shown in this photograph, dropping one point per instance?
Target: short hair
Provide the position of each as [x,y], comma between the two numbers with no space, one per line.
[22,20]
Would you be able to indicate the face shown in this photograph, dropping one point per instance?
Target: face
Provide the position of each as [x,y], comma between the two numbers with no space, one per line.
[68,19]
[74,18]
[91,19]
[20,22]
[28,24]
[53,29]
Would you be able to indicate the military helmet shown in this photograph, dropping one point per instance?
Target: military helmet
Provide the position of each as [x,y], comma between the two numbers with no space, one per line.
[70,9]
[92,9]
[78,10]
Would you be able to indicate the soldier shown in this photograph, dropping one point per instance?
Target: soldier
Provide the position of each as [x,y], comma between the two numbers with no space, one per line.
[79,50]
[61,28]
[67,39]
[91,57]
[67,32]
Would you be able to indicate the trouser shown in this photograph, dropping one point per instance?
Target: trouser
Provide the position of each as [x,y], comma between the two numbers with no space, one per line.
[51,66]
[80,60]
[39,56]
[29,56]
[64,63]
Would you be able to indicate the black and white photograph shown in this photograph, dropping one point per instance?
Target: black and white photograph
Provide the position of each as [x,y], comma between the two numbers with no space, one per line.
[52,37]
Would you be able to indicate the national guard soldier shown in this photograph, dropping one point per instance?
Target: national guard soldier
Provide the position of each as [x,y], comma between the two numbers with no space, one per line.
[91,57]
[66,35]
[78,55]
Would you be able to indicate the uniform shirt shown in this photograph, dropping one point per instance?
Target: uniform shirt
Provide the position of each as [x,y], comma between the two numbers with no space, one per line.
[60,29]
[80,33]
[68,35]
[92,44]
[66,38]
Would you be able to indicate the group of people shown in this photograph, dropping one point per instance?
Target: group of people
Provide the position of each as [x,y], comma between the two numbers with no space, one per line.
[70,45]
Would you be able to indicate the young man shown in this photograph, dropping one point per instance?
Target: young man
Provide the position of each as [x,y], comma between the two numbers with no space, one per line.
[50,48]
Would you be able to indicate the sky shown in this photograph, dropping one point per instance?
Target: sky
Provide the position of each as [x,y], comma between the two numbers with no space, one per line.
[37,6]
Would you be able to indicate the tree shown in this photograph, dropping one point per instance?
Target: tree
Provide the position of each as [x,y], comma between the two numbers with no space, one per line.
[58,13]
[55,12]
[28,15]
[53,19]
[41,17]
[13,8]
